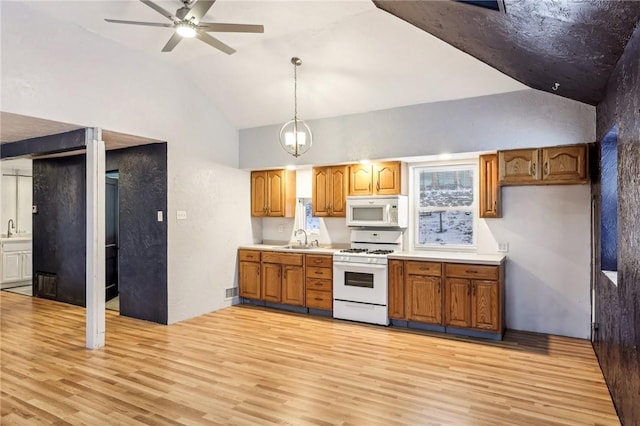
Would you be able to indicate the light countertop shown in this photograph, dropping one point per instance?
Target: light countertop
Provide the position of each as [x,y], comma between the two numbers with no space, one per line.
[450,256]
[278,247]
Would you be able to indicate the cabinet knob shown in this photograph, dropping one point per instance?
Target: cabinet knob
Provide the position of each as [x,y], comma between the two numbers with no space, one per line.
[533,169]
[546,167]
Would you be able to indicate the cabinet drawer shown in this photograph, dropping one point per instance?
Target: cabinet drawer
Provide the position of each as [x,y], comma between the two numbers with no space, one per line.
[319,284]
[321,261]
[319,299]
[433,269]
[282,258]
[471,271]
[315,272]
[249,255]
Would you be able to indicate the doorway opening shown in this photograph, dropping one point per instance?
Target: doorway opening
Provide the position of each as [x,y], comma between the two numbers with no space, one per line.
[112,240]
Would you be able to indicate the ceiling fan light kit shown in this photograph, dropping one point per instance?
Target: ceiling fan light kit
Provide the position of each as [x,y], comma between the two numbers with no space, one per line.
[295,136]
[186,23]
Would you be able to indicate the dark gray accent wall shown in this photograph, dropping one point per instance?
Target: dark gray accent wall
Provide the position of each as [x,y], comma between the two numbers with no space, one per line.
[45,144]
[143,240]
[617,339]
[59,228]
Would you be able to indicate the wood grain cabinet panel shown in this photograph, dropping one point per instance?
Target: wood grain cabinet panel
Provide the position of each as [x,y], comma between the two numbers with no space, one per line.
[376,179]
[273,193]
[423,299]
[485,309]
[457,302]
[271,282]
[489,196]
[329,191]
[249,274]
[564,164]
[319,281]
[293,285]
[518,166]
[396,289]
[433,269]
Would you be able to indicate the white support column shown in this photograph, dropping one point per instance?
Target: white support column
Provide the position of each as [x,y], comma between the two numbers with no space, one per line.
[95,239]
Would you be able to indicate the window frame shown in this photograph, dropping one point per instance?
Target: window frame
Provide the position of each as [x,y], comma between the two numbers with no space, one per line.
[436,166]
[301,220]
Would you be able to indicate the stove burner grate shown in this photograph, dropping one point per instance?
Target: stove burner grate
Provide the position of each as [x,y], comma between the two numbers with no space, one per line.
[354,250]
[381,252]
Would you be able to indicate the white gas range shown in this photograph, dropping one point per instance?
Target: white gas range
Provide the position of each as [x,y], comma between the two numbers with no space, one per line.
[360,290]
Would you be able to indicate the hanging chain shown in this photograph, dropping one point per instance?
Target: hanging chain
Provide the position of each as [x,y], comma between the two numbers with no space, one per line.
[295,92]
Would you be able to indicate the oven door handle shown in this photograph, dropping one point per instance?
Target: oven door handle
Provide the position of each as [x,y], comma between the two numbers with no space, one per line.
[359,265]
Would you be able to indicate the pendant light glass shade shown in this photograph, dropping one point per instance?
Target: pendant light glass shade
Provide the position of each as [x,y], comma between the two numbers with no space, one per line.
[295,136]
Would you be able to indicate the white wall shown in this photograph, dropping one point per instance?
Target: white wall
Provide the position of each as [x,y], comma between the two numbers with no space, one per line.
[547,227]
[61,72]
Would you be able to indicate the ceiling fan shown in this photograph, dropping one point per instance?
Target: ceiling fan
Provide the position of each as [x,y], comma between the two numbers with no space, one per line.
[186,23]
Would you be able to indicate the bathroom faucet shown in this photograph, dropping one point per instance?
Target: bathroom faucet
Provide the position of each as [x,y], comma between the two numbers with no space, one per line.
[305,235]
[9,226]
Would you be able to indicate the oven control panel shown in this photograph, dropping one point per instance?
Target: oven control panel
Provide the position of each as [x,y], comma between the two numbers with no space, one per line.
[375,260]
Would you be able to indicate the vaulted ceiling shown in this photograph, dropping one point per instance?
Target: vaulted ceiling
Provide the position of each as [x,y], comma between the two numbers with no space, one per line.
[566,47]
[358,55]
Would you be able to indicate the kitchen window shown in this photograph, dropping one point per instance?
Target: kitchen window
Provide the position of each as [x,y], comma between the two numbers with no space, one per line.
[305,219]
[444,206]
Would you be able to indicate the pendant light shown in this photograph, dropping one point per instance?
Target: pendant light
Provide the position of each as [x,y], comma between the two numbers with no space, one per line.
[295,135]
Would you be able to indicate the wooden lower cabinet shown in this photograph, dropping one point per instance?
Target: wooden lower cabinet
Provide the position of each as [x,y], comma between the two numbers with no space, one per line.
[457,295]
[293,285]
[319,281]
[249,274]
[271,282]
[457,302]
[424,299]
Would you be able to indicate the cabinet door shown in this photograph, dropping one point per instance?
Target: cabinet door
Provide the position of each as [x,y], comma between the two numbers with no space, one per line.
[27,265]
[339,186]
[249,277]
[457,305]
[271,282]
[489,186]
[518,166]
[486,304]
[275,193]
[360,179]
[386,178]
[319,195]
[11,266]
[258,194]
[564,164]
[293,285]
[424,299]
[396,289]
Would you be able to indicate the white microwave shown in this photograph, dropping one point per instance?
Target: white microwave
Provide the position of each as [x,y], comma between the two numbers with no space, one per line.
[378,211]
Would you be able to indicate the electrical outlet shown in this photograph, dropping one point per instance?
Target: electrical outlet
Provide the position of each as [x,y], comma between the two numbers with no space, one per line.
[181,215]
[280,228]
[503,247]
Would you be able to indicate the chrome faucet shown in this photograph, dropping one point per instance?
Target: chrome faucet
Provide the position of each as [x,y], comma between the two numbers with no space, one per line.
[305,235]
[9,226]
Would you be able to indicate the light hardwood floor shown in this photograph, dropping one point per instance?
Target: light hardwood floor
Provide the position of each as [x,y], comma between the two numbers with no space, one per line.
[247,365]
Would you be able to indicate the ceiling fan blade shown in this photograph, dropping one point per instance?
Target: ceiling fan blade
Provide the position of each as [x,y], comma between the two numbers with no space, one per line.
[173,41]
[215,43]
[159,9]
[231,28]
[200,9]
[149,24]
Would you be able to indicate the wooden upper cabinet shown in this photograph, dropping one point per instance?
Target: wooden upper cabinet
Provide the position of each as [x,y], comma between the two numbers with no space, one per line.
[553,165]
[386,178]
[489,187]
[564,164]
[329,191]
[518,166]
[375,179]
[360,179]
[273,193]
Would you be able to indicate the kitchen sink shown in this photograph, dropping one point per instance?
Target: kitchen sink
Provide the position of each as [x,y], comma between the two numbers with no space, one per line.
[295,247]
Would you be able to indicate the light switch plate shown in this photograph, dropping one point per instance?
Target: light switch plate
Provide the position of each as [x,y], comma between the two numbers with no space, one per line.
[160,217]
[181,215]
[503,247]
